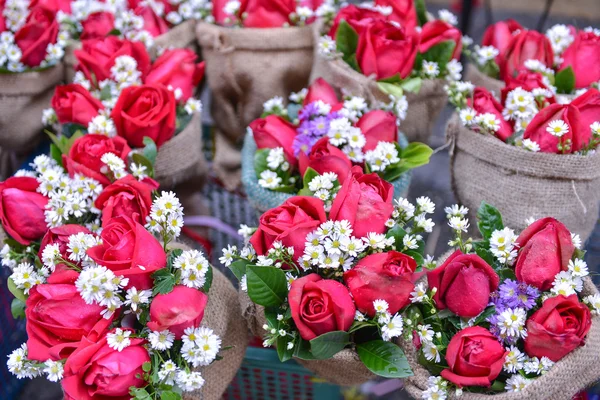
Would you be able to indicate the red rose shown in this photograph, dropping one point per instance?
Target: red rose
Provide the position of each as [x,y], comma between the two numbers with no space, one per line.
[266,13]
[526,80]
[319,306]
[177,68]
[128,249]
[557,328]
[324,157]
[378,126]
[499,35]
[384,276]
[97,371]
[22,209]
[60,236]
[588,105]
[580,56]
[289,223]
[97,56]
[357,17]
[218,11]
[484,102]
[273,131]
[74,104]
[464,283]
[86,153]
[578,133]
[146,110]
[97,25]
[385,50]
[181,308]
[403,12]
[153,24]
[57,319]
[320,89]
[52,5]
[525,45]
[475,358]
[438,31]
[126,196]
[365,200]
[40,30]
[545,250]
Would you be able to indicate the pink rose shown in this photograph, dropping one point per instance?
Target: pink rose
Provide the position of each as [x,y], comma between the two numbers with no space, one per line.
[178,69]
[181,308]
[581,56]
[324,157]
[22,209]
[438,31]
[378,126]
[273,131]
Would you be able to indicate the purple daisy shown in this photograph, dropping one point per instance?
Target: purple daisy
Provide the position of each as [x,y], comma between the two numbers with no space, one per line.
[303,143]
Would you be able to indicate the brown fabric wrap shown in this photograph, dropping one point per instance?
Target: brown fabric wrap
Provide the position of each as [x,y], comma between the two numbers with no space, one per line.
[23,97]
[70,61]
[522,184]
[244,68]
[179,37]
[478,78]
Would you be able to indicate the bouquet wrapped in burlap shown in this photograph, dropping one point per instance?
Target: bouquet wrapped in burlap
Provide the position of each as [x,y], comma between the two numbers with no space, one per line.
[245,67]
[523,184]
[478,78]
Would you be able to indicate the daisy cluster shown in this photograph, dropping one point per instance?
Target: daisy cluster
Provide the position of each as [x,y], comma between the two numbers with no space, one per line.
[194,267]
[166,220]
[390,326]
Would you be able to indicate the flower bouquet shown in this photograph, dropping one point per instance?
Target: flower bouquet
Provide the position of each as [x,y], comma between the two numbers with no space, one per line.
[388,49]
[119,92]
[102,296]
[533,156]
[505,317]
[241,42]
[327,285]
[310,146]
[561,54]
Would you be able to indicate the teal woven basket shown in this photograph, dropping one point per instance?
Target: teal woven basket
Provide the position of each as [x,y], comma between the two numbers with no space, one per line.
[263,376]
[264,199]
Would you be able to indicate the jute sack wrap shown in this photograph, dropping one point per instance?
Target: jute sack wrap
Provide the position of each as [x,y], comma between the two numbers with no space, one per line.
[23,98]
[522,184]
[344,368]
[70,61]
[576,371]
[180,37]
[244,68]
[478,78]
[181,158]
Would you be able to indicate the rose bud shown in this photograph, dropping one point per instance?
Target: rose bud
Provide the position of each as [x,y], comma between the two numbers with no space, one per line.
[525,45]
[97,25]
[385,50]
[475,358]
[385,276]
[545,250]
[557,328]
[52,5]
[365,200]
[22,209]
[178,69]
[320,89]
[126,196]
[181,308]
[74,104]
[484,102]
[266,13]
[86,153]
[378,126]
[319,306]
[273,131]
[526,80]
[578,134]
[324,157]
[357,17]
[403,12]
[499,35]
[40,30]
[289,223]
[128,249]
[588,105]
[146,110]
[581,56]
[153,24]
[464,283]
[60,236]
[438,31]
[95,370]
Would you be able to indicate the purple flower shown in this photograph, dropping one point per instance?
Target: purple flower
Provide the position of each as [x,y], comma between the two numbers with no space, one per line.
[303,143]
[515,294]
[319,126]
[308,111]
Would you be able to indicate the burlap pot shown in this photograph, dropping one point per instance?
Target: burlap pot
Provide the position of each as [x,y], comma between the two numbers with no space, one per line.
[244,68]
[344,368]
[478,78]
[264,199]
[70,61]
[578,370]
[181,158]
[23,97]
[180,37]
[522,184]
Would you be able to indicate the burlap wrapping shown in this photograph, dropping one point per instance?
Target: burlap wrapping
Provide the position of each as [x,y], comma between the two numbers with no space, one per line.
[344,368]
[244,68]
[522,184]
[9,163]
[70,61]
[181,158]
[23,97]
[578,370]
[179,37]
[478,78]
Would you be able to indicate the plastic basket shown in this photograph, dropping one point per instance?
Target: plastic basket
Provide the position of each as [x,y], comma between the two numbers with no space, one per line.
[263,376]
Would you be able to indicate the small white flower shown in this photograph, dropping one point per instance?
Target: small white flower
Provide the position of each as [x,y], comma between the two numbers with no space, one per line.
[162,340]
[119,339]
[135,297]
[231,7]
[275,158]
[269,179]
[516,383]
[593,301]
[425,333]
[274,105]
[468,116]
[419,294]
[411,241]
[375,240]
[380,306]
[393,328]
[557,128]
[578,268]
[448,17]
[512,322]
[576,239]
[514,360]
[54,370]
[530,145]
[431,352]
[459,224]
[168,372]
[431,69]
[425,205]
[486,53]
[358,316]
[193,106]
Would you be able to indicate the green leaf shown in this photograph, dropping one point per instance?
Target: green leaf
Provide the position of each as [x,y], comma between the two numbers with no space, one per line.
[239,268]
[483,316]
[488,220]
[150,151]
[56,154]
[384,359]
[283,352]
[58,142]
[564,80]
[328,344]
[416,254]
[260,161]
[392,79]
[412,85]
[391,89]
[498,386]
[141,160]
[147,366]
[69,129]
[491,69]
[346,40]
[170,395]
[164,281]
[356,325]
[507,273]
[398,233]
[302,350]
[183,120]
[421,11]
[484,252]
[173,254]
[267,286]
[309,175]
[17,309]
[415,155]
[18,293]
[209,279]
[139,394]
[441,53]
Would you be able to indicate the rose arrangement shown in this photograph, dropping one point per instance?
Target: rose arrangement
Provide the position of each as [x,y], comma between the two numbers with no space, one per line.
[501,311]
